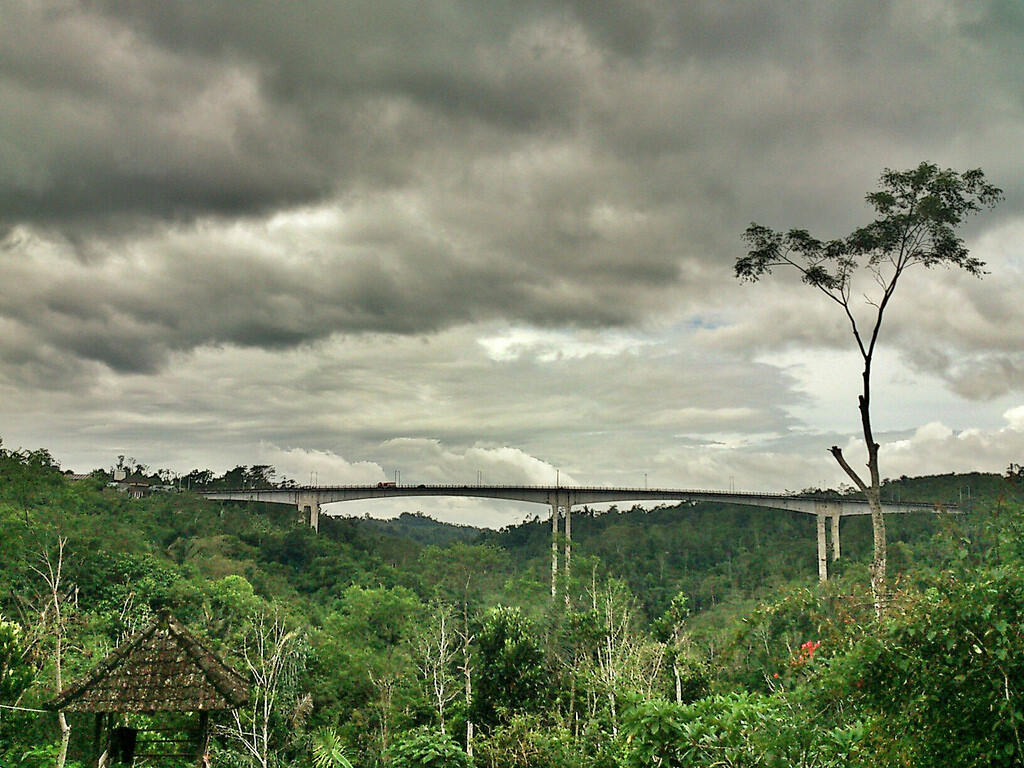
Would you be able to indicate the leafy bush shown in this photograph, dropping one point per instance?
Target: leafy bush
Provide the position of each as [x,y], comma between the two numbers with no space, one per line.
[526,742]
[15,672]
[426,747]
[738,729]
[945,674]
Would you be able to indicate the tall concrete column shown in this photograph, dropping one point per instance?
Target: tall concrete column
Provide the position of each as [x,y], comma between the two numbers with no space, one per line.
[309,509]
[835,537]
[568,544]
[822,551]
[554,548]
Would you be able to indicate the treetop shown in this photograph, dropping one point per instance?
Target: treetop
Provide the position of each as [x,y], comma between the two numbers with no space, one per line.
[918,210]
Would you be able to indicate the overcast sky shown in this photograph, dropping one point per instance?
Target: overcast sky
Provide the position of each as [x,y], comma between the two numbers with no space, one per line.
[494,239]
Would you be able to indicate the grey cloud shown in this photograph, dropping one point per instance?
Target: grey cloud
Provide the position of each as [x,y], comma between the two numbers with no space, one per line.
[179,108]
[592,416]
[973,376]
[376,266]
[269,183]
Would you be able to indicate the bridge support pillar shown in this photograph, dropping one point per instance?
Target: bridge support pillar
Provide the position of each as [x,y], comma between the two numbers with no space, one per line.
[568,546]
[822,551]
[835,537]
[309,509]
[554,549]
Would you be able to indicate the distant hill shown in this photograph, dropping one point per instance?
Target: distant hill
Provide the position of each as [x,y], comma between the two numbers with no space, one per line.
[964,489]
[421,529]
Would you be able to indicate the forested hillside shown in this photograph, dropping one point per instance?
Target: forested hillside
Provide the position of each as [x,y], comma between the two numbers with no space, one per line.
[689,636]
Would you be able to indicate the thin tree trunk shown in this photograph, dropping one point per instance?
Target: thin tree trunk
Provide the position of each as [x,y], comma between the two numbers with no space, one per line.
[65,738]
[568,546]
[65,728]
[52,577]
[554,550]
[878,561]
[467,673]
[874,496]
[871,490]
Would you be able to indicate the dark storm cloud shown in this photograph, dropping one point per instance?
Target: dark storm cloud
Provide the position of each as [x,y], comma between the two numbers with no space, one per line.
[183,108]
[179,109]
[267,174]
[101,124]
[250,286]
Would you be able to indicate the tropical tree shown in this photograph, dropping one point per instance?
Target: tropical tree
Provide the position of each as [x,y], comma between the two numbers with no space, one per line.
[512,676]
[918,211]
[329,750]
[461,574]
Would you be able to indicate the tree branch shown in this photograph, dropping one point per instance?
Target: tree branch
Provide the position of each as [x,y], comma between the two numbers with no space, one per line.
[837,452]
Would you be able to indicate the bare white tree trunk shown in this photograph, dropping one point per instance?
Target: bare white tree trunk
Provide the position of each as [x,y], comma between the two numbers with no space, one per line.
[385,686]
[436,649]
[467,673]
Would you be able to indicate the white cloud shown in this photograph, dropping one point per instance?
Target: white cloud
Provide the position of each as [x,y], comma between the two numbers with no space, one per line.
[319,467]
[548,346]
[935,448]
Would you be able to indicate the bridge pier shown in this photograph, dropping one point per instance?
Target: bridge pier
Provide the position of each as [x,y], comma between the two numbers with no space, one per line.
[558,502]
[831,511]
[822,551]
[568,546]
[554,549]
[309,509]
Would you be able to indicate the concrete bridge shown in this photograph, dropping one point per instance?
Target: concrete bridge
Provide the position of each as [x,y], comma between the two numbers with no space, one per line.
[561,500]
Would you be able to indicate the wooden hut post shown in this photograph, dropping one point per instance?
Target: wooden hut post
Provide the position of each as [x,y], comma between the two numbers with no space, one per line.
[203,742]
[99,738]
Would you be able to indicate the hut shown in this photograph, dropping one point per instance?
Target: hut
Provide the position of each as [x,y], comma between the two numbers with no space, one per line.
[162,670]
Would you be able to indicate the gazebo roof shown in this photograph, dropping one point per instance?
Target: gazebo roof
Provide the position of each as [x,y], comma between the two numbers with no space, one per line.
[163,668]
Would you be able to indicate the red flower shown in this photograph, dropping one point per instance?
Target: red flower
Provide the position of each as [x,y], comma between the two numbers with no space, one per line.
[807,651]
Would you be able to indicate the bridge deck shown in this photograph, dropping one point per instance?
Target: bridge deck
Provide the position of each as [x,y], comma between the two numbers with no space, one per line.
[573,496]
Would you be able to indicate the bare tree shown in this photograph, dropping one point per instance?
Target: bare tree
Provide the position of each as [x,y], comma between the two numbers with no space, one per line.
[626,661]
[54,615]
[918,211]
[271,656]
[436,646]
[385,684]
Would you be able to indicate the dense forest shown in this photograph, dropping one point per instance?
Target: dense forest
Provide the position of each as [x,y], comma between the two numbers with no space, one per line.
[692,635]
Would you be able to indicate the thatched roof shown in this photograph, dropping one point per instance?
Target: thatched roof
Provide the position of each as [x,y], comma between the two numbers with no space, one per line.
[163,668]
